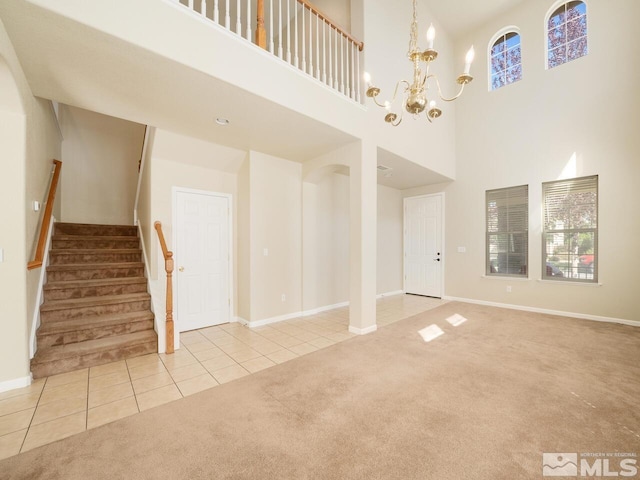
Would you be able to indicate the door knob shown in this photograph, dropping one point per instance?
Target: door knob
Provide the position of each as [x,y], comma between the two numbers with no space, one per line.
[436,259]
[181,269]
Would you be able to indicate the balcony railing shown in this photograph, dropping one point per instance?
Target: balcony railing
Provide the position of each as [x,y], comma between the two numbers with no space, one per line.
[296,32]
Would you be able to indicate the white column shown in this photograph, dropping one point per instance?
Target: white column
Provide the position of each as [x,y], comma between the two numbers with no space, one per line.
[362,240]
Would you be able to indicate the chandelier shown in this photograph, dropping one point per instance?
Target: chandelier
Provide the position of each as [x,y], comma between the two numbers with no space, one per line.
[416,97]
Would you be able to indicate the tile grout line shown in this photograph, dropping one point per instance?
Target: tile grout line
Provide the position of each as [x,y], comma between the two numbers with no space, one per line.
[33,416]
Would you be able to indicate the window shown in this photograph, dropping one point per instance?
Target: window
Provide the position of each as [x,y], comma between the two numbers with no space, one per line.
[507,231]
[506,60]
[567,34]
[570,229]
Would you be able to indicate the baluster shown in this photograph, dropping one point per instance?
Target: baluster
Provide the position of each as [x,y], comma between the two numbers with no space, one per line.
[342,64]
[311,71]
[248,20]
[191,4]
[304,46]
[271,26]
[238,22]
[358,75]
[216,16]
[318,48]
[324,52]
[295,33]
[330,47]
[203,8]
[227,16]
[288,31]
[352,82]
[280,28]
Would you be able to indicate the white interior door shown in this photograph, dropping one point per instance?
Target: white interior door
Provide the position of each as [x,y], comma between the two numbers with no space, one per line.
[423,253]
[202,260]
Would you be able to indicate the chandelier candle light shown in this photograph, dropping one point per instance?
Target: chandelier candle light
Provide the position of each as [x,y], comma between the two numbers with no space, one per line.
[415,94]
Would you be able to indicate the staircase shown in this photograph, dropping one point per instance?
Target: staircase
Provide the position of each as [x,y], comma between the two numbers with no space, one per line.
[96,307]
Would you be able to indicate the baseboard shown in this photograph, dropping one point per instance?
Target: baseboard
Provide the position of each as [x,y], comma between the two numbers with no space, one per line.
[15,383]
[326,308]
[363,331]
[584,316]
[241,320]
[306,313]
[389,294]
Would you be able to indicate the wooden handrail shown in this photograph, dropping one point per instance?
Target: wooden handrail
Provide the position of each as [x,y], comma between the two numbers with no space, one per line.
[46,219]
[261,36]
[168,266]
[331,23]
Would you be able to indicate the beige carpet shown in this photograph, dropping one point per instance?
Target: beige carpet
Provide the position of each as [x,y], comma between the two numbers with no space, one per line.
[482,401]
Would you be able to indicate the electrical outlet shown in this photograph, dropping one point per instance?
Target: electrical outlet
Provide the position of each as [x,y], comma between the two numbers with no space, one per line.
[265,252]
[508,288]
[284,297]
[462,249]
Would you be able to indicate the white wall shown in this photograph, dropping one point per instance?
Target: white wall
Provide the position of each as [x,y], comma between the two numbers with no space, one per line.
[180,161]
[29,142]
[276,225]
[101,156]
[325,241]
[529,133]
[390,240]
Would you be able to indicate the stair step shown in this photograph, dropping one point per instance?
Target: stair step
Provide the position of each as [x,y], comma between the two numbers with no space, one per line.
[75,256]
[74,356]
[87,229]
[56,310]
[92,271]
[94,288]
[83,329]
[60,242]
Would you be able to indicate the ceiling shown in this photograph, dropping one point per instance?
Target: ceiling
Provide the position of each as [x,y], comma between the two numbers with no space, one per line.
[120,79]
[460,16]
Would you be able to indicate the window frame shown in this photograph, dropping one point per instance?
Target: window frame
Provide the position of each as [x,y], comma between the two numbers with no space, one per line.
[502,33]
[556,5]
[571,231]
[524,234]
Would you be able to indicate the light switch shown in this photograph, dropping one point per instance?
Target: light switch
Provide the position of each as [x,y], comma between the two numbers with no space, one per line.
[36,206]
[266,252]
[462,249]
[1,255]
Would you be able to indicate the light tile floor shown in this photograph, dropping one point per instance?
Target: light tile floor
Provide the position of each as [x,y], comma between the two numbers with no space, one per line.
[59,406]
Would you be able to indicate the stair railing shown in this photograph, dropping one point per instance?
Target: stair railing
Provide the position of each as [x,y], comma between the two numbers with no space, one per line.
[295,31]
[46,219]
[168,266]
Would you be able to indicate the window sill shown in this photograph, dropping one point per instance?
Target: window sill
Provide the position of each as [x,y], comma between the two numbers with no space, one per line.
[564,282]
[506,278]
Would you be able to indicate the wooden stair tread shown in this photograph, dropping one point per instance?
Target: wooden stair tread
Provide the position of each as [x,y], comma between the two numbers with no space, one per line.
[93,346]
[62,284]
[66,236]
[94,321]
[88,251]
[68,303]
[92,266]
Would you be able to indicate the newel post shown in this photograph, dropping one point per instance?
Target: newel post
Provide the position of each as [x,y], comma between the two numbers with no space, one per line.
[261,33]
[168,265]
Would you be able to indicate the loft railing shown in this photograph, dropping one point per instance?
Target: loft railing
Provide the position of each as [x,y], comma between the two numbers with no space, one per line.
[168,267]
[295,31]
[46,219]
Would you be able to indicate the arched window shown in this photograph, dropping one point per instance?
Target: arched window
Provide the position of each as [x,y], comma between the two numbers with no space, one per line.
[566,33]
[506,60]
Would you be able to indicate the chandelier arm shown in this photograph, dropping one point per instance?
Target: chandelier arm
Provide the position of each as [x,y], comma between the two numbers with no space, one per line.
[442,97]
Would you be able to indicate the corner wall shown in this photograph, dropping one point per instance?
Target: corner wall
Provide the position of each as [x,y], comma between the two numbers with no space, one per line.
[577,119]
[29,142]
[101,156]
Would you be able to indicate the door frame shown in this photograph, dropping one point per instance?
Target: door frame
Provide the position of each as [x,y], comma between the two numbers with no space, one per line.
[174,216]
[442,237]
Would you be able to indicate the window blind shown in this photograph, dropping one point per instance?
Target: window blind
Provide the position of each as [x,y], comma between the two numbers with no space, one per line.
[507,248]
